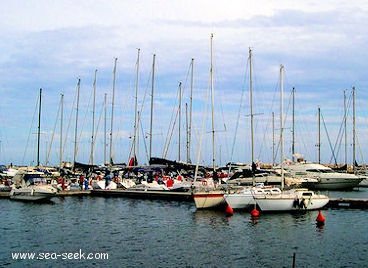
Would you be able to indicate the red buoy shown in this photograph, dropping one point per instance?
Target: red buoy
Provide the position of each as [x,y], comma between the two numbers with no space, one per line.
[320,218]
[254,213]
[229,210]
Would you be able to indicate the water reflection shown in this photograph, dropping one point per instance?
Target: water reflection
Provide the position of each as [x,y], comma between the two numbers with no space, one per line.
[211,217]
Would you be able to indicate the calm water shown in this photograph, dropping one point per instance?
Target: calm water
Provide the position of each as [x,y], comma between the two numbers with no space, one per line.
[143,233]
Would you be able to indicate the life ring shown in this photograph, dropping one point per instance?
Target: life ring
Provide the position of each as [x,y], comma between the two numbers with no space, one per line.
[204,183]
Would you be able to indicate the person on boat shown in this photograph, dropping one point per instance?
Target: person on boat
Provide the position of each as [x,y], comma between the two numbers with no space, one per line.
[254,167]
[107,178]
[86,183]
[63,185]
[81,181]
[170,182]
[215,176]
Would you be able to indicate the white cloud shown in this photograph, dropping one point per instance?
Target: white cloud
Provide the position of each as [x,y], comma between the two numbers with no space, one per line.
[49,44]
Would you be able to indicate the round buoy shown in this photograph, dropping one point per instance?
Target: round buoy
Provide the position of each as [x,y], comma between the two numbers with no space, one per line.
[229,210]
[320,218]
[254,213]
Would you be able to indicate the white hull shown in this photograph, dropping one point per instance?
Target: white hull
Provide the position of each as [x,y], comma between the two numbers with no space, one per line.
[35,193]
[292,201]
[326,178]
[333,183]
[101,184]
[209,199]
[240,200]
[245,198]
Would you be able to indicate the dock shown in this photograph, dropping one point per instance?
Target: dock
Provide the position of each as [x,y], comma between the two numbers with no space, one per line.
[355,203]
[162,195]
[74,192]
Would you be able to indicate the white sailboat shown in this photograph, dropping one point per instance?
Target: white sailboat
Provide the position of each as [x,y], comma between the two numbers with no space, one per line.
[296,199]
[292,200]
[206,197]
[243,197]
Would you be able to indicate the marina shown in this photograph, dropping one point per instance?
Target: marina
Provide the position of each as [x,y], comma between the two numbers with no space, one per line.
[162,233]
[341,202]
[146,161]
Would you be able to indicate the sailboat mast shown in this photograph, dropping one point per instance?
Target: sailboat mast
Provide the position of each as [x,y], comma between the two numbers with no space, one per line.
[273,139]
[76,124]
[345,132]
[112,111]
[179,127]
[190,112]
[319,135]
[293,129]
[251,102]
[136,107]
[203,124]
[105,127]
[39,129]
[152,91]
[212,107]
[281,126]
[93,119]
[354,134]
[187,130]
[61,130]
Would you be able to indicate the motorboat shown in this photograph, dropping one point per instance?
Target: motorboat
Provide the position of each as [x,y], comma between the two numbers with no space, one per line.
[31,186]
[321,177]
[299,199]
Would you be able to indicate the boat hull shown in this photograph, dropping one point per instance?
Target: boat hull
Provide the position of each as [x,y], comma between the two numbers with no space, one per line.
[333,183]
[209,200]
[323,178]
[32,194]
[239,200]
[245,198]
[290,203]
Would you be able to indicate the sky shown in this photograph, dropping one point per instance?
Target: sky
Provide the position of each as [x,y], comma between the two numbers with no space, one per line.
[51,44]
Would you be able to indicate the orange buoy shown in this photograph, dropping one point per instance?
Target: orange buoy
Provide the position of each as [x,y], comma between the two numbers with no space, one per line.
[320,218]
[254,213]
[229,210]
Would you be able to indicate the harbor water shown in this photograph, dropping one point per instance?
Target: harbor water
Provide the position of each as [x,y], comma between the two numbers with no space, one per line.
[89,231]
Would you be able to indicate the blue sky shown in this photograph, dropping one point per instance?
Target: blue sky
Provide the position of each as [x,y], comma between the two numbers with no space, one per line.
[50,44]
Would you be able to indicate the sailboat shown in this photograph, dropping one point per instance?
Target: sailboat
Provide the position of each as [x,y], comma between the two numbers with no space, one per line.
[206,197]
[32,186]
[243,197]
[294,199]
[323,177]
